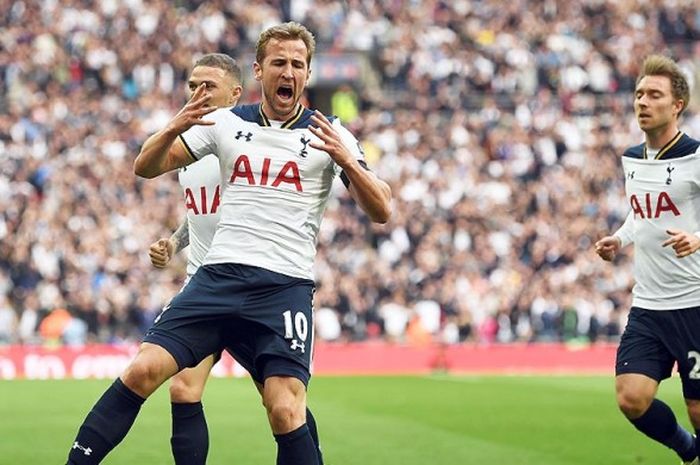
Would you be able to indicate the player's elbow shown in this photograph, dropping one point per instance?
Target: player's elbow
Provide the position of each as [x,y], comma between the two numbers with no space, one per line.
[383,214]
[141,168]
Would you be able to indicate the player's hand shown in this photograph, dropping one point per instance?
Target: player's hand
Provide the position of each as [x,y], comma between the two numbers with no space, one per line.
[607,247]
[161,252]
[331,143]
[683,243]
[191,114]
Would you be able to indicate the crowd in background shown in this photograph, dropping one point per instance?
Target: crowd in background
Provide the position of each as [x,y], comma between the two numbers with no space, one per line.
[498,125]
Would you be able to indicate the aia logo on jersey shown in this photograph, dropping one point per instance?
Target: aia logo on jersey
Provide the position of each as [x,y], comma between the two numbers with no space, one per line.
[289,174]
[202,202]
[653,207]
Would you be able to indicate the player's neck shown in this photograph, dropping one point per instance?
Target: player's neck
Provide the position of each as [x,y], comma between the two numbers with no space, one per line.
[265,108]
[658,138]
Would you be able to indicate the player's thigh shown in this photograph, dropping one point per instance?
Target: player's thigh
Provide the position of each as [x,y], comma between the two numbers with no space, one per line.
[149,369]
[282,323]
[685,324]
[191,327]
[286,390]
[635,391]
[693,407]
[188,385]
[643,348]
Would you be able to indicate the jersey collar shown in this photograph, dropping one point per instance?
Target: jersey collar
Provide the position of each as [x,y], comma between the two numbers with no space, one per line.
[287,124]
[666,147]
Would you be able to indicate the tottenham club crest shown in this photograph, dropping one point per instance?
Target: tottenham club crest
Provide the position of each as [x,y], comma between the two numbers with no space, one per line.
[669,170]
[304,141]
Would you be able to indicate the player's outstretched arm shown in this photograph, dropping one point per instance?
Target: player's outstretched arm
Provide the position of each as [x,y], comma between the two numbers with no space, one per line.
[683,243]
[159,154]
[371,193]
[607,247]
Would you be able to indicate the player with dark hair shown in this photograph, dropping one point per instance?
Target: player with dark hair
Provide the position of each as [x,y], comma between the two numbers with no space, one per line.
[254,293]
[663,188]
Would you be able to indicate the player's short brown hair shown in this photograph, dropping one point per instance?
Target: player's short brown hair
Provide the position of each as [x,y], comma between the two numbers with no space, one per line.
[221,61]
[659,65]
[286,31]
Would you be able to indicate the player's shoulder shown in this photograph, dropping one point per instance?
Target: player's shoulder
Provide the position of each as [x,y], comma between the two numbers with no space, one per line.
[249,113]
[685,146]
[680,146]
[636,151]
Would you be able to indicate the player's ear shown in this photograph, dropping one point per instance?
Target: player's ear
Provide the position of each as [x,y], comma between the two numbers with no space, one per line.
[679,107]
[257,71]
[236,93]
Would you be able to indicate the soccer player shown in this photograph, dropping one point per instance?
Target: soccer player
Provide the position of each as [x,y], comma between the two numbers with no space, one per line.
[254,292]
[663,186]
[200,182]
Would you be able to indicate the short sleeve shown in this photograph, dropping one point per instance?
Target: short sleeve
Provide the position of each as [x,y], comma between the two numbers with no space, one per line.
[349,140]
[201,140]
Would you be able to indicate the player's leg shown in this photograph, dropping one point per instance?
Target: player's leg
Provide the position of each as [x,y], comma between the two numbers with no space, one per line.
[179,338]
[687,352]
[285,400]
[190,436]
[243,350]
[112,416]
[279,308]
[643,360]
[693,406]
[310,422]
[636,399]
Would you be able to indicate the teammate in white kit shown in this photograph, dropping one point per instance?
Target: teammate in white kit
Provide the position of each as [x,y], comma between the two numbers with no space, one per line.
[663,188]
[201,184]
[254,293]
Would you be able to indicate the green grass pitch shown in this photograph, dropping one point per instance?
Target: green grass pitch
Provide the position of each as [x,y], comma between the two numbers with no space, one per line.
[442,420]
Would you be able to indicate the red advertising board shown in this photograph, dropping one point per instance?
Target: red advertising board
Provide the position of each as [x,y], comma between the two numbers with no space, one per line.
[373,358]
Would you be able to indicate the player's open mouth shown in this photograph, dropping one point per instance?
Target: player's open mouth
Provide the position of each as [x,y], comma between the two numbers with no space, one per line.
[285,92]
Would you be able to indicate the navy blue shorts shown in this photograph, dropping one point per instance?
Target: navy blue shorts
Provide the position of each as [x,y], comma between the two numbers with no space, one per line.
[655,340]
[264,319]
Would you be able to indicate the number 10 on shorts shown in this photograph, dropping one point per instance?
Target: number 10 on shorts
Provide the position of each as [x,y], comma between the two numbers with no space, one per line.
[299,325]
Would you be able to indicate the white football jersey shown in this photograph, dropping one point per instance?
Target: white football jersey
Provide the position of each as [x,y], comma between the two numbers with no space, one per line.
[200,183]
[664,194]
[274,187]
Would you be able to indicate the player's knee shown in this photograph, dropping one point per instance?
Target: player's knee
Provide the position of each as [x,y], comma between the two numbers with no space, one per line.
[633,403]
[693,411]
[144,375]
[285,411]
[182,392]
[285,414]
[139,377]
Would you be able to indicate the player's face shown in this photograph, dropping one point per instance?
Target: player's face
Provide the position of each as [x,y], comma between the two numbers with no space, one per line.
[654,104]
[283,74]
[224,89]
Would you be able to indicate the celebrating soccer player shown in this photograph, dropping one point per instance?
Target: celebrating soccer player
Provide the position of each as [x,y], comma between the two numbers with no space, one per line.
[200,182]
[662,178]
[254,292]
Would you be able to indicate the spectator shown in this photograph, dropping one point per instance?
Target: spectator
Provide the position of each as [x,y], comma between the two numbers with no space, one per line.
[497,125]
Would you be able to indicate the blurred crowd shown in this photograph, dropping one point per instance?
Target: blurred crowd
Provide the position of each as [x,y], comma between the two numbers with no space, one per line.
[498,125]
